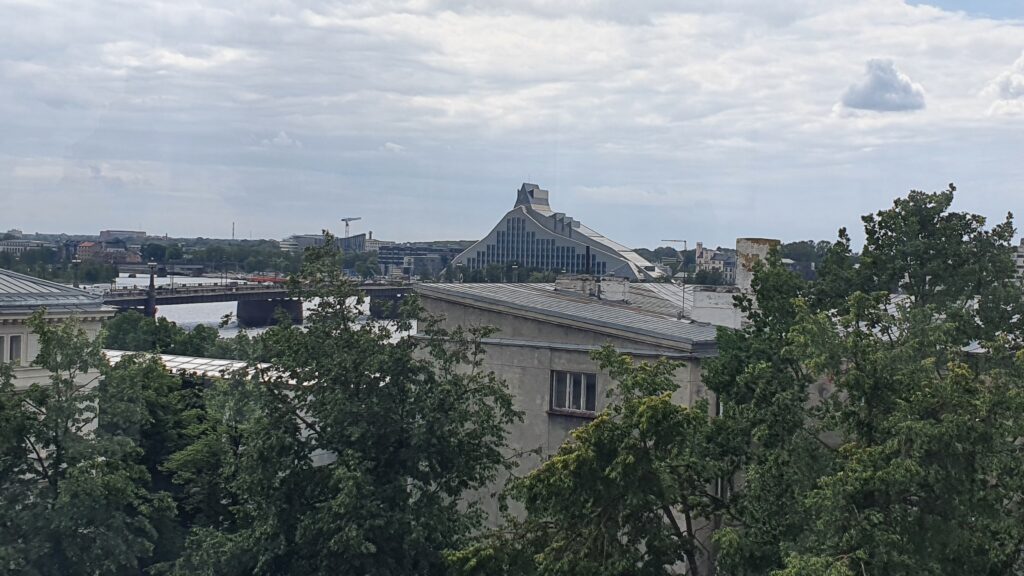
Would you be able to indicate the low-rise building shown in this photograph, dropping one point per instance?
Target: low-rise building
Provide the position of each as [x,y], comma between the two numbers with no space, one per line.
[20,297]
[19,247]
[542,349]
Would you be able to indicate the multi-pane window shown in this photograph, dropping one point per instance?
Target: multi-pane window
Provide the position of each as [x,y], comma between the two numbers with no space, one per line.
[573,391]
[14,351]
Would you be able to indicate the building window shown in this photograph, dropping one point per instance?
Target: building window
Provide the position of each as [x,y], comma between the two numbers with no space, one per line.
[3,349]
[573,392]
[14,351]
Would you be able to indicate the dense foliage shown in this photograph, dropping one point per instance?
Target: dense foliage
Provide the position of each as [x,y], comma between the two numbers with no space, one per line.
[351,452]
[74,498]
[132,331]
[872,424]
[45,263]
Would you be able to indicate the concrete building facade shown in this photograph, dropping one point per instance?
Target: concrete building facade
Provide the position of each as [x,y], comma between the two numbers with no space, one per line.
[533,236]
[542,350]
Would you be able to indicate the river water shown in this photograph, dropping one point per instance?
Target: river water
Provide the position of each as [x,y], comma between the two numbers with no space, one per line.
[187,315]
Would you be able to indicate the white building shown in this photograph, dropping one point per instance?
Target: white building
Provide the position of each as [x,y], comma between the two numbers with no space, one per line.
[533,236]
[20,297]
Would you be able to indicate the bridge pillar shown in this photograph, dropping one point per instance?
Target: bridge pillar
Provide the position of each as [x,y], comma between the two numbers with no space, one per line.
[258,313]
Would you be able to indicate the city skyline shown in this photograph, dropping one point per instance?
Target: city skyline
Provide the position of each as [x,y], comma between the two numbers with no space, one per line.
[422,117]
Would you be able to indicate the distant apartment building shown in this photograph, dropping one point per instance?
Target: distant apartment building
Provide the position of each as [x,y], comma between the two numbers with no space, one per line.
[722,260]
[372,244]
[19,247]
[423,260]
[533,236]
[111,252]
[88,250]
[357,243]
[109,235]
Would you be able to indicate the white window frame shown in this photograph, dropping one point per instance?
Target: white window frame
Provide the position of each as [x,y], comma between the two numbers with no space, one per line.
[566,383]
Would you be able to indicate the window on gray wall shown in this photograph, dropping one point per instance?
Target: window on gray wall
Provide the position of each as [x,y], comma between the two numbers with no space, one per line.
[3,350]
[14,352]
[573,391]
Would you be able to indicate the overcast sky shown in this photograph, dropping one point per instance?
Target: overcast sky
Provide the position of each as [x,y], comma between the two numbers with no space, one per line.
[645,119]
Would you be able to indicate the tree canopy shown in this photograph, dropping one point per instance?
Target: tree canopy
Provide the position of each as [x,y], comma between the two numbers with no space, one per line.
[871,423]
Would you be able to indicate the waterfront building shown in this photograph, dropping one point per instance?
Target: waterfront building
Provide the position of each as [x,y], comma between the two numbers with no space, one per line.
[20,297]
[297,243]
[533,236]
[19,247]
[424,260]
[355,243]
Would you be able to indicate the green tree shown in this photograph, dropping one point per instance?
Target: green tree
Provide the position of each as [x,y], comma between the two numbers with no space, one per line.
[928,414]
[135,332]
[75,500]
[352,454]
[154,252]
[764,388]
[709,278]
[911,462]
[633,492]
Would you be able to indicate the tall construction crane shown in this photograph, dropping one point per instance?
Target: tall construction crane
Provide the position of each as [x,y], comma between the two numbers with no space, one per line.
[347,220]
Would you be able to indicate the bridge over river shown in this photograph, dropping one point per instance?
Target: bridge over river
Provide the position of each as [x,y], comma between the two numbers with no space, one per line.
[257,303]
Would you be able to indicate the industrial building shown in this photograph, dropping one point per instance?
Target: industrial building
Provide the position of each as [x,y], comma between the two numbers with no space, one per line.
[534,237]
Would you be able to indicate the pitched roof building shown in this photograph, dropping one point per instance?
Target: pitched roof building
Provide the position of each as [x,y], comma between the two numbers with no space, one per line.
[533,236]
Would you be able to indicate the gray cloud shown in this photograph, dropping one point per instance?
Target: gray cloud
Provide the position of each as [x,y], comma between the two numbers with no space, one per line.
[423,116]
[884,89]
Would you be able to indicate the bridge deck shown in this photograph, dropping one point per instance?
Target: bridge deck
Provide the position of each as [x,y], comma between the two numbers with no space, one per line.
[136,297]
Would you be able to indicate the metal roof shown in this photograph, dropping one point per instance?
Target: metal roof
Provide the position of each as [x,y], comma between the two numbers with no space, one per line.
[208,367]
[19,293]
[599,315]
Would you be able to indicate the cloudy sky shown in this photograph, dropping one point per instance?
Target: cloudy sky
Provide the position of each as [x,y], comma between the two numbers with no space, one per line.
[648,119]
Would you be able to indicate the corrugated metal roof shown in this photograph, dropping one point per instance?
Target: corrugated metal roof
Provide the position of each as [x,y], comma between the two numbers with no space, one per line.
[210,367]
[543,299]
[21,292]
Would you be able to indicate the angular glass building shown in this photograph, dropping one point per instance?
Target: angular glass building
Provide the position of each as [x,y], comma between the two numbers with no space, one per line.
[533,236]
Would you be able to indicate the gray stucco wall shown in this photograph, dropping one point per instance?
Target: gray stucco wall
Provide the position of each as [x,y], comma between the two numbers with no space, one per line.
[524,354]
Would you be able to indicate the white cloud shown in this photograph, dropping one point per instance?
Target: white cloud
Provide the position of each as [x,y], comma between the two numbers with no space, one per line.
[884,89]
[1008,90]
[392,147]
